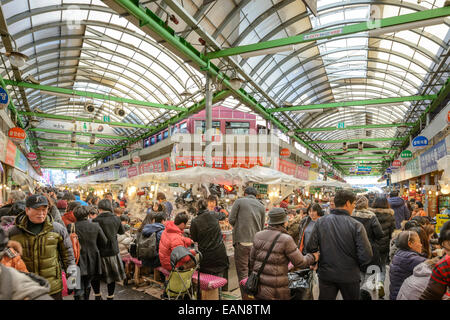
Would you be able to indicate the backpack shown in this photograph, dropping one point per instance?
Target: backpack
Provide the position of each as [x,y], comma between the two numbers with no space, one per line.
[146,247]
[75,243]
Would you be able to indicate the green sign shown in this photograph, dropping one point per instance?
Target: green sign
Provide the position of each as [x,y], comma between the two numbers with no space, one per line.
[341,125]
[174,184]
[106,119]
[314,189]
[262,188]
[406,154]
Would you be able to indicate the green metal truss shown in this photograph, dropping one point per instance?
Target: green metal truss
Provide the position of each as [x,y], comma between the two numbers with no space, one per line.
[356,140]
[68,142]
[92,95]
[367,126]
[83,119]
[355,149]
[367,155]
[148,19]
[29,138]
[441,96]
[355,103]
[69,149]
[60,167]
[217,96]
[333,32]
[87,134]
[72,155]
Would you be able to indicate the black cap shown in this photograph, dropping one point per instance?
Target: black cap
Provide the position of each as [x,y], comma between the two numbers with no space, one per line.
[36,201]
[251,191]
[105,205]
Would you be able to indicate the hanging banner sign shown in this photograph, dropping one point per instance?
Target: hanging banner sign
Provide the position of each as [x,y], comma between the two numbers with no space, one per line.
[364,169]
[307,164]
[428,160]
[4,98]
[314,166]
[406,154]
[17,134]
[136,159]
[448,117]
[125,163]
[420,141]
[388,170]
[322,171]
[396,163]
[32,156]
[10,153]
[285,152]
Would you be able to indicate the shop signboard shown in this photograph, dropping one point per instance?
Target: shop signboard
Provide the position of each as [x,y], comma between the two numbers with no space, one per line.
[314,165]
[322,171]
[307,164]
[17,134]
[388,170]
[117,166]
[364,169]
[123,173]
[406,154]
[136,159]
[413,168]
[4,98]
[125,163]
[20,162]
[312,175]
[32,156]
[287,167]
[285,152]
[448,117]
[132,171]
[396,163]
[428,160]
[420,142]
[302,173]
[3,143]
[10,153]
[174,185]
[262,188]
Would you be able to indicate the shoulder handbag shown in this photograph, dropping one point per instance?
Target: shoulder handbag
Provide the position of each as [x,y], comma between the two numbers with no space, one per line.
[252,285]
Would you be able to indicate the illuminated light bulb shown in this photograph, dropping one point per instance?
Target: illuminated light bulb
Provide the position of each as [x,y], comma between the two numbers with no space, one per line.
[198,196]
[429,192]
[151,195]
[1,187]
[320,196]
[174,193]
[227,200]
[152,188]
[299,199]
[316,195]
[437,193]
[106,190]
[267,200]
[165,190]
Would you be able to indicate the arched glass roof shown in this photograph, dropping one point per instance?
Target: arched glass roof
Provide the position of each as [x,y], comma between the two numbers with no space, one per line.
[86,45]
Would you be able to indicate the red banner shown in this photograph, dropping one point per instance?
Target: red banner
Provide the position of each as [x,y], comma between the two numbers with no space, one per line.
[302,173]
[287,167]
[132,171]
[10,153]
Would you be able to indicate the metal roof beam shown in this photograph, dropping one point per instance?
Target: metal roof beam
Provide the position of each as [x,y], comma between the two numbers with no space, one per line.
[356,140]
[355,149]
[353,103]
[93,95]
[70,118]
[78,142]
[367,126]
[386,25]
[87,134]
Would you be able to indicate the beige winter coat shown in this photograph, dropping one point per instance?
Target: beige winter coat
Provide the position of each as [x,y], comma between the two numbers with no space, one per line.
[274,281]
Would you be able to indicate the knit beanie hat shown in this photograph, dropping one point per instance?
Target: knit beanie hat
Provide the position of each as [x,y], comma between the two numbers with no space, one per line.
[361,203]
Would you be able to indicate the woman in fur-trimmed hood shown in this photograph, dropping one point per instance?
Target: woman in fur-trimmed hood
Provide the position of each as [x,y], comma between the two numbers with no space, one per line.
[372,226]
[385,215]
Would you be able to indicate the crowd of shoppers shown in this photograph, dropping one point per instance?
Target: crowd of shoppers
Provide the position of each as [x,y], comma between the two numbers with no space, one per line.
[342,243]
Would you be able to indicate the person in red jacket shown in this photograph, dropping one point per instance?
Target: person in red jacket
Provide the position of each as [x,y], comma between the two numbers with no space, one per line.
[173,237]
[68,217]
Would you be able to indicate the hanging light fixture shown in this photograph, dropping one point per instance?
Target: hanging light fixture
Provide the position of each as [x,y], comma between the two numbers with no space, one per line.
[16,58]
[92,141]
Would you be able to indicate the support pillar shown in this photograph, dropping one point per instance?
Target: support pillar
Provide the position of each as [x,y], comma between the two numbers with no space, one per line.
[208,127]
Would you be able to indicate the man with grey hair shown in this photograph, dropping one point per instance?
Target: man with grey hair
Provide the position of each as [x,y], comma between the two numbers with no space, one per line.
[248,216]
[14,196]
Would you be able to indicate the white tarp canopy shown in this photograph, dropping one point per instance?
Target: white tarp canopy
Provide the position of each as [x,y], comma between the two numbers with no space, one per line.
[328,184]
[22,179]
[217,176]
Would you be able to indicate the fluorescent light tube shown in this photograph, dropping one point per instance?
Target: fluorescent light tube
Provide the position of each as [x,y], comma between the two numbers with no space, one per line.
[269,51]
[406,26]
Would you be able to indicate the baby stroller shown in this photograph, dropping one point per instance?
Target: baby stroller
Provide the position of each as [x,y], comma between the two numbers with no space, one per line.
[179,284]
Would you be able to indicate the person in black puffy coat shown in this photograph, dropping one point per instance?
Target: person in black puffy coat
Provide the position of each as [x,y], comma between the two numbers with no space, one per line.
[206,231]
[90,236]
[385,216]
[405,260]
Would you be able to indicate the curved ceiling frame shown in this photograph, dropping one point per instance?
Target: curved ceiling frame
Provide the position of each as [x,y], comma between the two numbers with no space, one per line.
[93,76]
[339,7]
[147,39]
[43,41]
[323,65]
